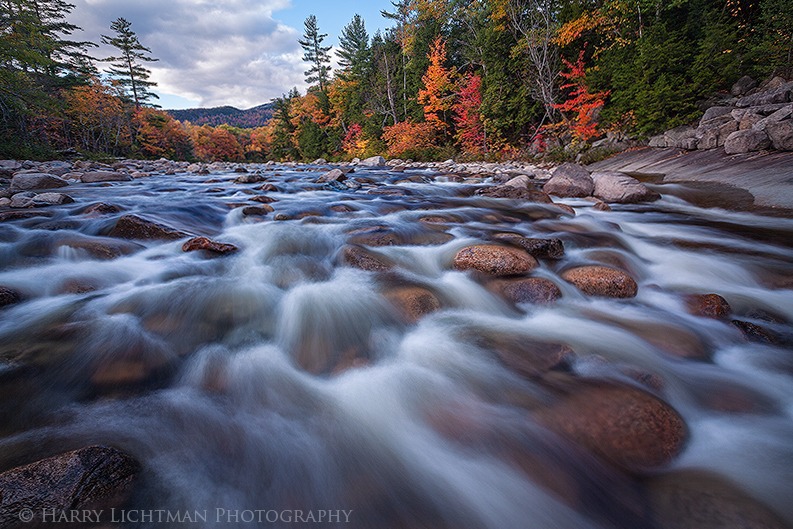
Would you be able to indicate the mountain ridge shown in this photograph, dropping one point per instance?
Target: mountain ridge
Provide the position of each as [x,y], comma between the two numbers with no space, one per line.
[257,116]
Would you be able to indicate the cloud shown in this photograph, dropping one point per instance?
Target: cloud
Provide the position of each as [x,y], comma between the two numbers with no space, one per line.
[219,52]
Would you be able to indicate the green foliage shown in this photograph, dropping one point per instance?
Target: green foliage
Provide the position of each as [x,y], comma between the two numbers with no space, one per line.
[127,68]
[315,53]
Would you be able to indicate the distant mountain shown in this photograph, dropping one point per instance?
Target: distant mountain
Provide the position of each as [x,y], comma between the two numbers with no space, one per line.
[246,119]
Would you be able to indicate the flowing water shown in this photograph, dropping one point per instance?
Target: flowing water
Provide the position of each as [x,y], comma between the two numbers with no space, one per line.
[278,378]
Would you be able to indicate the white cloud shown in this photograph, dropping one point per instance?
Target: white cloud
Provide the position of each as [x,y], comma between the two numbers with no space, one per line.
[219,52]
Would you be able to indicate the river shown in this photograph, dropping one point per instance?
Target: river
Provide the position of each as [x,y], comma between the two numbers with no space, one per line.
[279,378]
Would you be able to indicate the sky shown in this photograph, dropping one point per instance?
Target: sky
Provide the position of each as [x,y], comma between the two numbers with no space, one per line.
[213,53]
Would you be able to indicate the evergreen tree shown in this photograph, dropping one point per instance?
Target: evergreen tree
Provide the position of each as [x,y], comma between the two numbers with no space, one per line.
[354,47]
[126,68]
[315,53]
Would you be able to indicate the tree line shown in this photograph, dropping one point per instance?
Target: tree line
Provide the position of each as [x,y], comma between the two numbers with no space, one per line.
[466,78]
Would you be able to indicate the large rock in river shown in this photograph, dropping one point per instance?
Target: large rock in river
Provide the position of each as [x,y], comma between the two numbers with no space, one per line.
[27,181]
[613,186]
[97,477]
[602,281]
[494,260]
[570,180]
[134,227]
[92,177]
[620,423]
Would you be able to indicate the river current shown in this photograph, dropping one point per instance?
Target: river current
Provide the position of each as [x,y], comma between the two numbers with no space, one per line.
[280,378]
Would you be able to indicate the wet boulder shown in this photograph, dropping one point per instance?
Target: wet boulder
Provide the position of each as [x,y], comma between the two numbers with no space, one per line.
[9,296]
[96,477]
[101,208]
[374,161]
[204,244]
[134,227]
[539,248]
[334,175]
[413,302]
[92,177]
[698,499]
[52,199]
[494,260]
[570,180]
[535,290]
[248,178]
[613,186]
[28,181]
[359,257]
[708,306]
[602,281]
[622,424]
[515,193]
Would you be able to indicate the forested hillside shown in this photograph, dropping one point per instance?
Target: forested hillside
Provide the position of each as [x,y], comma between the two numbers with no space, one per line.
[473,79]
[247,119]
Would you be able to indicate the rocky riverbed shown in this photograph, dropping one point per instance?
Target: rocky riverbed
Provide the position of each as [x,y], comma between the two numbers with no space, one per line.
[425,345]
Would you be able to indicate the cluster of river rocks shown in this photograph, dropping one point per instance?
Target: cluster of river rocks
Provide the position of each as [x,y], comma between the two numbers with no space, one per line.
[755,118]
[593,414]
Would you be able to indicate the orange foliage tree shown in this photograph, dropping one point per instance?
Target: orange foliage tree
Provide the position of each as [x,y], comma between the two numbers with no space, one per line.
[216,144]
[583,104]
[160,135]
[437,96]
[96,119]
[406,139]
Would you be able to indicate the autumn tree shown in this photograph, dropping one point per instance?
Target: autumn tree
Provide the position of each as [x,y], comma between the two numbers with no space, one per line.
[468,117]
[581,102]
[437,95]
[127,68]
[315,53]
[95,119]
[160,135]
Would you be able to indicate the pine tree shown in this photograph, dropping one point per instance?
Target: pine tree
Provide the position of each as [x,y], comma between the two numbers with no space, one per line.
[127,68]
[315,53]
[354,47]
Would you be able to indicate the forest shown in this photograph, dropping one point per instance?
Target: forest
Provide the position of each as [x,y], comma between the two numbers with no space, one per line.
[481,79]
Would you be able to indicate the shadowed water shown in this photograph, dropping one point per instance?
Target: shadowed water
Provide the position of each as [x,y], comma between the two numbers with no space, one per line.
[280,378]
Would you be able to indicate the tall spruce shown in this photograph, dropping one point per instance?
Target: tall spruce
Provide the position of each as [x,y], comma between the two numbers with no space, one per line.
[127,68]
[315,54]
[354,49]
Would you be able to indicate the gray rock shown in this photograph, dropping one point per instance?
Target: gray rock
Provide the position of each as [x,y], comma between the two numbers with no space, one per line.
[749,140]
[320,161]
[715,112]
[522,181]
[249,178]
[52,199]
[782,94]
[334,175]
[781,114]
[613,186]
[781,134]
[37,181]
[4,202]
[658,141]
[742,86]
[681,137]
[22,200]
[92,177]
[374,161]
[714,133]
[10,165]
[570,180]
[748,120]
